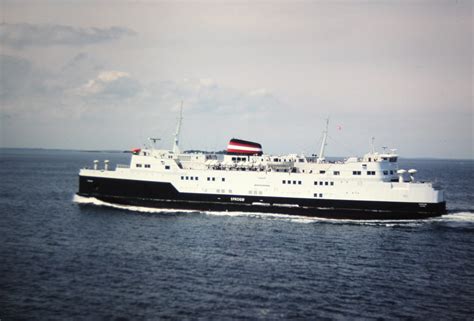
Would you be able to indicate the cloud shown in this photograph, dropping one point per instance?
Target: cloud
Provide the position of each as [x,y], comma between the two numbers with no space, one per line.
[110,84]
[204,95]
[21,35]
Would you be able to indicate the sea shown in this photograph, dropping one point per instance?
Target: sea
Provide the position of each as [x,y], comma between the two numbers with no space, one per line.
[69,258]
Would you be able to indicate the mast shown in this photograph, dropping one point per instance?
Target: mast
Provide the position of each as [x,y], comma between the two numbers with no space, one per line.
[323,144]
[178,129]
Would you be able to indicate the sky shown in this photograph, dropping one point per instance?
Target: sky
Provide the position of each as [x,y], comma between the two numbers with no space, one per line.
[110,74]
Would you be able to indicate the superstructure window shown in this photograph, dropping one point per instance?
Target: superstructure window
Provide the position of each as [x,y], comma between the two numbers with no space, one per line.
[326,183]
[167,167]
[385,172]
[182,177]
[196,178]
[370,172]
[299,182]
[283,181]
[322,172]
[147,165]
[213,179]
[223,179]
[356,173]
[139,165]
[332,183]
[391,172]
[336,173]
[320,183]
[187,177]
[294,182]
[320,195]
[192,178]
[208,178]
[392,159]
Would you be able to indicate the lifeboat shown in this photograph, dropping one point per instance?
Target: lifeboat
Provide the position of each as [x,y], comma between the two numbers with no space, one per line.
[243,147]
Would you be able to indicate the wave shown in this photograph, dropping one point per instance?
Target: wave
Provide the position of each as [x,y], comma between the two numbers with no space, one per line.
[466,217]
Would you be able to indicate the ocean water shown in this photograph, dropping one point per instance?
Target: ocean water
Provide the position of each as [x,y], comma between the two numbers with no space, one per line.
[63,258]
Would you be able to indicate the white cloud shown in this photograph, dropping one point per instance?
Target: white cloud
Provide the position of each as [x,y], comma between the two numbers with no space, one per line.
[110,84]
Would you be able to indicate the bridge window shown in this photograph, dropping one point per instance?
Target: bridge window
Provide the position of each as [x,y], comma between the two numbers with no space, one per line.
[392,159]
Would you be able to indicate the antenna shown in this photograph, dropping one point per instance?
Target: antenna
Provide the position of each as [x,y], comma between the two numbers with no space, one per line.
[153,140]
[323,144]
[178,129]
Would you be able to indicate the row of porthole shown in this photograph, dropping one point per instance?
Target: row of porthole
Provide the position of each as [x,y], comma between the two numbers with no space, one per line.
[324,183]
[146,165]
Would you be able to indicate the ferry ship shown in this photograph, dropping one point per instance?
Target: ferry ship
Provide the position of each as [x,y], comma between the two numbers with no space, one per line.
[245,179]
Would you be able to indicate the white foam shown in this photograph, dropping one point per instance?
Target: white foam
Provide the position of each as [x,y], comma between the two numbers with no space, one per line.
[455,217]
[92,200]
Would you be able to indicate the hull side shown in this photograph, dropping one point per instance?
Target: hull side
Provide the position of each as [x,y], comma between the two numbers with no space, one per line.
[165,195]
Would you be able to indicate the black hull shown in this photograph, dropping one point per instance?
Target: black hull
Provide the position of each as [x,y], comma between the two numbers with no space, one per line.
[164,195]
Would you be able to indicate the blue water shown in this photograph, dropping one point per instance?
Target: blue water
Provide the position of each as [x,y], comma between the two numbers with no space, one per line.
[63,260]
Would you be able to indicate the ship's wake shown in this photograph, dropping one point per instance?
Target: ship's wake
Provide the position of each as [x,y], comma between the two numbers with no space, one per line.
[466,217]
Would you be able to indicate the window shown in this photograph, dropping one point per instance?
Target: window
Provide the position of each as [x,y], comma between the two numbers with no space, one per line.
[166,167]
[223,179]
[147,165]
[336,173]
[196,178]
[385,172]
[315,194]
[187,177]
[283,181]
[326,183]
[364,166]
[320,183]
[233,158]
[320,195]
[213,179]
[139,165]
[294,182]
[315,183]
[208,178]
[356,172]
[392,159]
[182,177]
[192,178]
[391,172]
[299,182]
[370,172]
[322,172]
[332,183]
